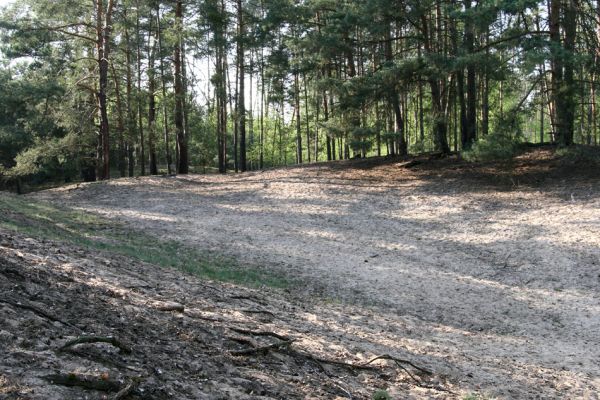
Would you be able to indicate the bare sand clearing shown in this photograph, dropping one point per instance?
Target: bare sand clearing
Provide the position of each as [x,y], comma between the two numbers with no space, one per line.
[491,279]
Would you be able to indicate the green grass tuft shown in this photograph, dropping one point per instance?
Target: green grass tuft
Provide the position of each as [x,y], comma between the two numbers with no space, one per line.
[381,395]
[88,230]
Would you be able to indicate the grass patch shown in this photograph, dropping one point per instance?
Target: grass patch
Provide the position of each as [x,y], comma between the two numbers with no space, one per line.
[46,221]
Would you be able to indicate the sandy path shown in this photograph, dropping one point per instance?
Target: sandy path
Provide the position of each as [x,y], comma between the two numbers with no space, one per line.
[498,290]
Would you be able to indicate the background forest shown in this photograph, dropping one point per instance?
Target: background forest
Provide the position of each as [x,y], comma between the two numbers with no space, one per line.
[104,88]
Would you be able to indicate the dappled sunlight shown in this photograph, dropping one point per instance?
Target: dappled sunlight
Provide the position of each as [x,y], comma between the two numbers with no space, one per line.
[490,281]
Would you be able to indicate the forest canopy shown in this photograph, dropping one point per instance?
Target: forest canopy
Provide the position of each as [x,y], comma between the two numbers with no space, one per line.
[105,88]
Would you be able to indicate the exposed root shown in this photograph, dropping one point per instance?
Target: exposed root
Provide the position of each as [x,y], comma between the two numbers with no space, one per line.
[170,306]
[260,333]
[38,311]
[248,311]
[84,381]
[128,389]
[98,339]
[263,349]
[398,361]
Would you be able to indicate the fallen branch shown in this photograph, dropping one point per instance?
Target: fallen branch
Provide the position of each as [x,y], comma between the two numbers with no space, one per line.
[411,164]
[97,339]
[170,306]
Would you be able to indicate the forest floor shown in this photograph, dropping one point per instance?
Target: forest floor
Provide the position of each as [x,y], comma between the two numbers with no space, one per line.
[487,275]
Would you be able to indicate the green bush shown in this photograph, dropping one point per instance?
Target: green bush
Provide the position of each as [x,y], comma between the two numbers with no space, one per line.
[495,147]
[419,147]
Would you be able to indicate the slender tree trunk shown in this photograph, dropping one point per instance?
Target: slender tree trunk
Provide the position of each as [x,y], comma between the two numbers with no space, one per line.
[485,101]
[439,118]
[470,132]
[180,133]
[307,118]
[393,95]
[103,32]
[556,65]
[131,117]
[241,109]
[297,116]
[420,106]
[139,93]
[120,123]
[569,91]
[164,91]
[326,119]
[261,150]
[151,111]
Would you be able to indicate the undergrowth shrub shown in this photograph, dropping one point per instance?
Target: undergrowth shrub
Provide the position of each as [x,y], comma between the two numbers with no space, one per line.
[580,154]
[419,147]
[494,147]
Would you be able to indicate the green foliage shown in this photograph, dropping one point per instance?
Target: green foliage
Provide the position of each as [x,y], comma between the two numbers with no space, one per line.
[362,139]
[44,220]
[381,395]
[419,147]
[495,147]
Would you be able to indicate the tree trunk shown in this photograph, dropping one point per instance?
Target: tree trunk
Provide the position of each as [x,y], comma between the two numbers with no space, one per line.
[470,132]
[178,58]
[241,103]
[393,95]
[568,93]
[164,91]
[131,118]
[297,116]
[120,124]
[103,31]
[440,125]
[151,111]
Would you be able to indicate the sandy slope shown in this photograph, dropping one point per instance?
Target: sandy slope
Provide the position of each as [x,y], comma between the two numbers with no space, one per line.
[491,282]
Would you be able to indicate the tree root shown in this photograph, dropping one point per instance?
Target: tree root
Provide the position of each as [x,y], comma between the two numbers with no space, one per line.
[285,344]
[98,339]
[128,389]
[38,311]
[84,381]
[250,311]
[260,333]
[399,362]
[249,298]
[242,340]
[263,349]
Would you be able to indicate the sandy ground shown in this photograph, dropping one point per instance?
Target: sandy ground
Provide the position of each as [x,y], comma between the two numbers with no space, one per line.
[489,279]
[52,293]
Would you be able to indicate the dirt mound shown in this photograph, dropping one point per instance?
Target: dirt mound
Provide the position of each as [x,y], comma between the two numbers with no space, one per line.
[81,325]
